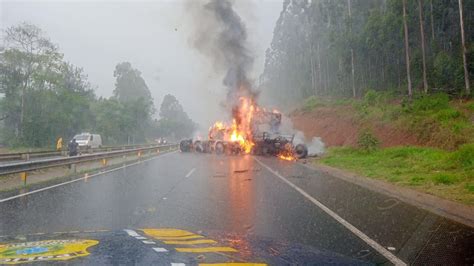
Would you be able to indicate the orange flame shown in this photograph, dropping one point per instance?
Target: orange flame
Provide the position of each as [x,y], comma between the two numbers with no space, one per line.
[240,131]
[287,157]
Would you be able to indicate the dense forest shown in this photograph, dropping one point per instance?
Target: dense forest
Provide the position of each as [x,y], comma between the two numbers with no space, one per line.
[345,48]
[43,97]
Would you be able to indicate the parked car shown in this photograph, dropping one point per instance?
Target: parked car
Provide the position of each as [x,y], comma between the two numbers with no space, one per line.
[88,140]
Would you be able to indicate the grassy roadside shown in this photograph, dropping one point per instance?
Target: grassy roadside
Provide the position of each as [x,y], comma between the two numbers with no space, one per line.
[449,175]
[444,127]
[434,120]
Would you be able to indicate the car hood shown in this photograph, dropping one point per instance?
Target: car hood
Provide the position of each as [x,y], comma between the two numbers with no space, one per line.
[163,246]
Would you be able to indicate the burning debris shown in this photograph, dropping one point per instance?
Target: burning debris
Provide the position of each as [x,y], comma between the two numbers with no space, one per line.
[259,136]
[222,36]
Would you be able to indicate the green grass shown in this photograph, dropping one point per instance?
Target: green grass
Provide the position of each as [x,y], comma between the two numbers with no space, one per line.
[446,174]
[435,120]
[312,103]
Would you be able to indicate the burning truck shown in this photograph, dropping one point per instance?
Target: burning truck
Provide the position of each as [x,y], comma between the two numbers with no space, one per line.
[223,39]
[253,130]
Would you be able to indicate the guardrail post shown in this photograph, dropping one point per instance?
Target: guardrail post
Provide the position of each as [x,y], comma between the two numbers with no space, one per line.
[23,177]
[25,156]
[72,167]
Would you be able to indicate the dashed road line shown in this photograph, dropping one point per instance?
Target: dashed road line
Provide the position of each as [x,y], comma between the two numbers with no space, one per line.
[148,242]
[178,264]
[191,172]
[160,250]
[379,248]
[140,238]
[81,178]
[131,232]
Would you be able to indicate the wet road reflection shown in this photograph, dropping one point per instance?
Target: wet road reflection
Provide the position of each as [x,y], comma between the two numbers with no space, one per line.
[231,198]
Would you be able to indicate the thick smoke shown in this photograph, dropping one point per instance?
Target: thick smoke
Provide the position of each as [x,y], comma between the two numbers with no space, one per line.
[221,35]
[315,145]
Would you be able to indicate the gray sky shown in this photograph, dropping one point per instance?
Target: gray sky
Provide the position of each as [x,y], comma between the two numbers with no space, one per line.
[152,35]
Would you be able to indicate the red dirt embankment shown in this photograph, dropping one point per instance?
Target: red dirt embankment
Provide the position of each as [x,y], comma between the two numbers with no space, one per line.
[339,126]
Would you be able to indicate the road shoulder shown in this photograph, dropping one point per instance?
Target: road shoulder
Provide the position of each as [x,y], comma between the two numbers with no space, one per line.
[452,210]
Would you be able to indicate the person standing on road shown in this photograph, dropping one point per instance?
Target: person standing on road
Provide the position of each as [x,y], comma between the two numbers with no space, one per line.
[72,147]
[59,144]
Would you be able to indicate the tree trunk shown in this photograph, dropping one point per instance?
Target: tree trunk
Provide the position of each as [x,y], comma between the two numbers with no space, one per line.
[352,50]
[398,73]
[313,81]
[464,51]
[319,68]
[383,71]
[422,33]
[407,51]
[327,73]
[432,21]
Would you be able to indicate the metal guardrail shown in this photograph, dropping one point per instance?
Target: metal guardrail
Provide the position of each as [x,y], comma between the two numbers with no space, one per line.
[44,153]
[54,162]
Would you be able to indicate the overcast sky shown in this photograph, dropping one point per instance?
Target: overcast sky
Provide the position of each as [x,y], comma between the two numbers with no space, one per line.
[152,35]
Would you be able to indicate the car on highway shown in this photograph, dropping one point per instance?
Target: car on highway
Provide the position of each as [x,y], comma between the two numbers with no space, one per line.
[88,140]
[161,141]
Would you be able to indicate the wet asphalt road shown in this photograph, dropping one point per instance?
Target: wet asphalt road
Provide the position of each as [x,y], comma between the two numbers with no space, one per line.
[221,195]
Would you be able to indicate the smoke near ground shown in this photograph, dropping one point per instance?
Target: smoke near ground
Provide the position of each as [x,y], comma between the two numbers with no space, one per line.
[316,146]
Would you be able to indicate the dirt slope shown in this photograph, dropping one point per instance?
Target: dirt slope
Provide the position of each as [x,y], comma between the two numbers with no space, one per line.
[339,126]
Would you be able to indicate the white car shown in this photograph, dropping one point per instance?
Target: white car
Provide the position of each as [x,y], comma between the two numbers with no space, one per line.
[88,140]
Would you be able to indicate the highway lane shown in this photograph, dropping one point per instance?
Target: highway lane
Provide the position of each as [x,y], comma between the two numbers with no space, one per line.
[220,195]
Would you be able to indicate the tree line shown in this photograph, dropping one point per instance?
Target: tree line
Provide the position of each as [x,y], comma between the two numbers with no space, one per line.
[344,48]
[43,97]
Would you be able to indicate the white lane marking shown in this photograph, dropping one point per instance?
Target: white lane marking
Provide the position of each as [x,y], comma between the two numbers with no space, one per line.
[141,238]
[160,249]
[148,242]
[178,264]
[379,248]
[191,172]
[131,232]
[82,178]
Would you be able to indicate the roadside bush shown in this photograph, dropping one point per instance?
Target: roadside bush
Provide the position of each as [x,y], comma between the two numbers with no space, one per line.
[367,141]
[471,106]
[447,114]
[433,102]
[371,97]
[464,156]
[470,187]
[444,179]
[311,103]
